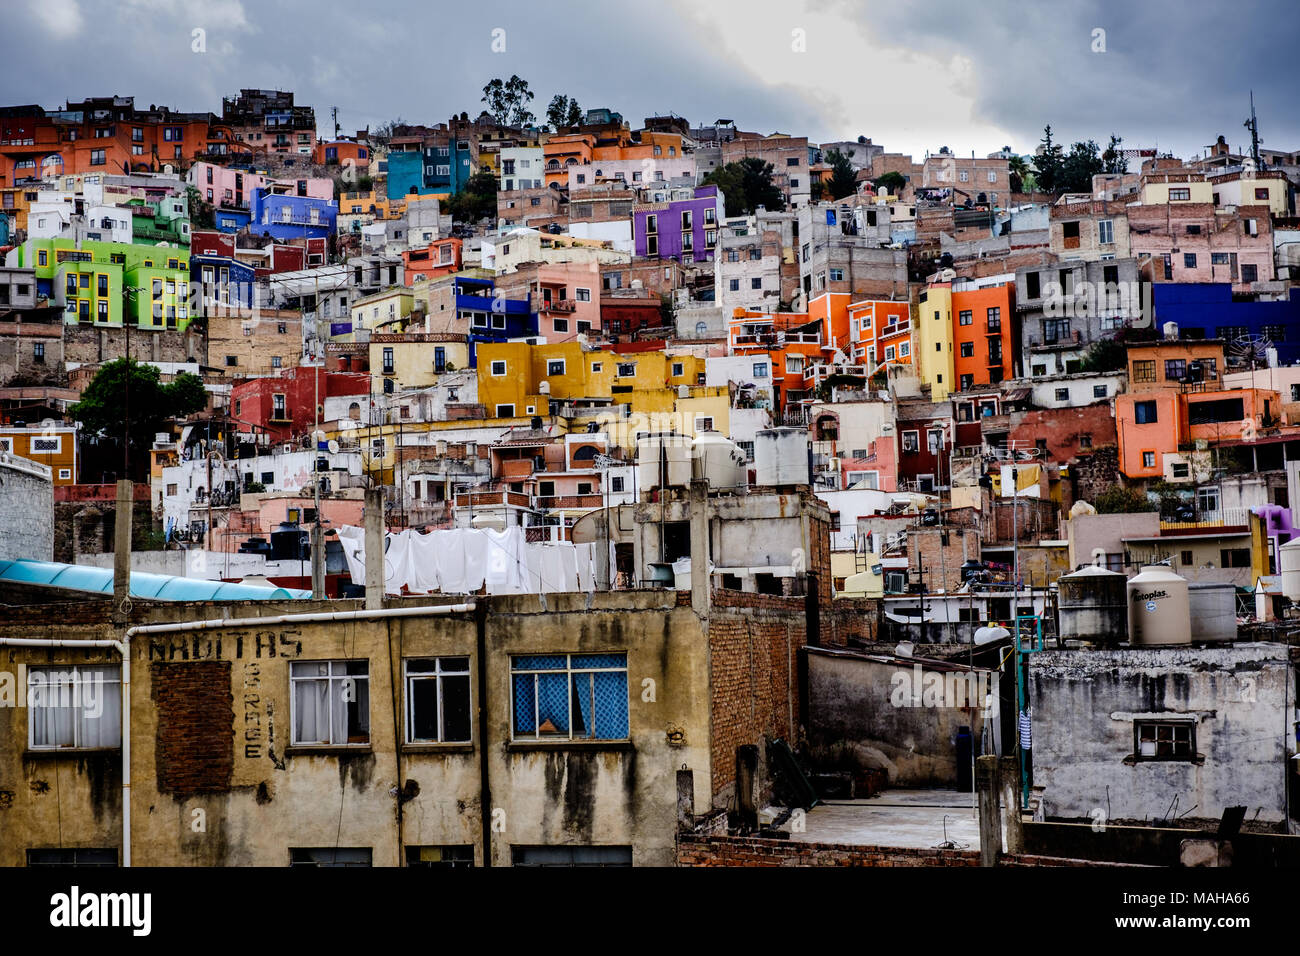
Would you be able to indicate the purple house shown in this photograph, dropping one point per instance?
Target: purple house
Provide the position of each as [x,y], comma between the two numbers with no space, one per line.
[683,227]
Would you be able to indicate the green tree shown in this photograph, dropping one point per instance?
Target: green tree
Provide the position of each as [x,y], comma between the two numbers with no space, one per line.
[1081,163]
[201,212]
[508,101]
[1048,163]
[1112,158]
[1019,172]
[105,403]
[892,181]
[844,178]
[563,111]
[746,185]
[1116,501]
[476,200]
[1105,355]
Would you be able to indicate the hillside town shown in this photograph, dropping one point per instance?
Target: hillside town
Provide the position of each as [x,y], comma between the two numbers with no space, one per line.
[584,490]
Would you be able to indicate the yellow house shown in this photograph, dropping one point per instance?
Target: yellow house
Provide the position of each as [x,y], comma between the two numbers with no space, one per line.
[382,311]
[933,345]
[1163,189]
[416,359]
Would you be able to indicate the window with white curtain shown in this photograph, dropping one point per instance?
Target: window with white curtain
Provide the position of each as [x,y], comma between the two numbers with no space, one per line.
[77,708]
[331,703]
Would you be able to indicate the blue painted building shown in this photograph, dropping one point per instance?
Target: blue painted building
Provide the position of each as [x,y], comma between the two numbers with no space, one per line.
[491,319]
[285,216]
[1208,310]
[222,282]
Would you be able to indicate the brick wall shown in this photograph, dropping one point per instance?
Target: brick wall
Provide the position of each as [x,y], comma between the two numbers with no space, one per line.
[693,850]
[754,672]
[196,720]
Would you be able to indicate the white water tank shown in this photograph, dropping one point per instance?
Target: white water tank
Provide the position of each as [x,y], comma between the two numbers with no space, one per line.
[1159,610]
[1288,560]
[719,461]
[781,456]
[663,461]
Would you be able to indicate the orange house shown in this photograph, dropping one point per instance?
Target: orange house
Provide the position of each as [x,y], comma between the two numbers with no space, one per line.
[880,332]
[565,150]
[982,335]
[794,343]
[439,258]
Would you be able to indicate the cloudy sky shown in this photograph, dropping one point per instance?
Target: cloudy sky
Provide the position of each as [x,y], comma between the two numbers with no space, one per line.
[973,75]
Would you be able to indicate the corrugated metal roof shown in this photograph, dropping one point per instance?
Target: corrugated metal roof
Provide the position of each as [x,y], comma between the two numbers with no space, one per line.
[159,587]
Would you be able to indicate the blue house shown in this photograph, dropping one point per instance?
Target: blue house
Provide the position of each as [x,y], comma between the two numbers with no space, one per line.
[223,282]
[432,169]
[405,174]
[285,216]
[491,319]
[1206,310]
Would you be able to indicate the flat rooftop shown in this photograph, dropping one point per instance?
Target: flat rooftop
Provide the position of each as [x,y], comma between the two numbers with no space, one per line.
[895,818]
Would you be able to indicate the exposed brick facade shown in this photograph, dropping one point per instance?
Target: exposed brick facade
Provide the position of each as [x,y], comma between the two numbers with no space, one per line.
[196,720]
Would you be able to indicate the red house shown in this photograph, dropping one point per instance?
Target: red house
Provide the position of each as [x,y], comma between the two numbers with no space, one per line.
[285,406]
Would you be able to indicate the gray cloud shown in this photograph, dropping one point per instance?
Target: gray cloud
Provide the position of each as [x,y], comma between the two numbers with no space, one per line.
[1172,73]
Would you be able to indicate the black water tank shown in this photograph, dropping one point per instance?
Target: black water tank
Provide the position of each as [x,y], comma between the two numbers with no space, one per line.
[290,543]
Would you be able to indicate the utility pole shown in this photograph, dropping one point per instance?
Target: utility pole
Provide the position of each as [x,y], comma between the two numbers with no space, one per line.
[1252,125]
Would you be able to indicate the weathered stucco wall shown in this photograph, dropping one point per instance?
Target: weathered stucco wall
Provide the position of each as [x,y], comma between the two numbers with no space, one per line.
[211,733]
[876,713]
[1084,705]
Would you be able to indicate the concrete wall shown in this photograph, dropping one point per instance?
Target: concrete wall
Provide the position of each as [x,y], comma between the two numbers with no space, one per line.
[26,510]
[1084,706]
[866,713]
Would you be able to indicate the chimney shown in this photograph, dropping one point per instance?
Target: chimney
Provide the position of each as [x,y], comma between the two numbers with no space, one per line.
[374,518]
[122,550]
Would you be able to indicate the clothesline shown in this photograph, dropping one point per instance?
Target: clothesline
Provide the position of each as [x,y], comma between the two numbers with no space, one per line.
[464,560]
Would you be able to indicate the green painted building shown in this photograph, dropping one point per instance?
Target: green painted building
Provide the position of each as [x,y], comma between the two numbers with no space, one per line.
[98,282]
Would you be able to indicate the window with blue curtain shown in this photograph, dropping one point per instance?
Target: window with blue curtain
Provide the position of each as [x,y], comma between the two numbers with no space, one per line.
[570,696]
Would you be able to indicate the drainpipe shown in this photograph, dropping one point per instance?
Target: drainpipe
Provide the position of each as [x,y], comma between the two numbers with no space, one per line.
[123,647]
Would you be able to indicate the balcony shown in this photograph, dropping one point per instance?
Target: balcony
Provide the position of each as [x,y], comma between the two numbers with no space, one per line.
[517,468]
[559,305]
[554,502]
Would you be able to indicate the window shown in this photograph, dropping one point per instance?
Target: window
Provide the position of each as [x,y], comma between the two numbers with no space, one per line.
[760,370]
[1062,394]
[1261,194]
[995,318]
[1207,499]
[498,368]
[1181,470]
[911,442]
[38,353]
[1144,370]
[679,369]
[967,349]
[1234,557]
[571,856]
[616,483]
[964,317]
[626,369]
[278,408]
[963,175]
[1164,740]
[1099,391]
[97,157]
[232,361]
[330,856]
[686,219]
[1175,369]
[1189,260]
[1056,330]
[555,367]
[651,224]
[1148,459]
[440,857]
[276,362]
[505,411]
[77,856]
[1249,273]
[437,700]
[703,423]
[330,702]
[74,708]
[837,275]
[904,349]
[965,382]
[569,697]
[1144,413]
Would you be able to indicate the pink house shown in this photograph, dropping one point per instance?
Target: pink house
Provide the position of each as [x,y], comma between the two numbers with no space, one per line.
[1195,242]
[229,187]
[567,298]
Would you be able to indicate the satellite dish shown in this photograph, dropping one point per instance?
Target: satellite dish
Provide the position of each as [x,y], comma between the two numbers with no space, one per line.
[334,447]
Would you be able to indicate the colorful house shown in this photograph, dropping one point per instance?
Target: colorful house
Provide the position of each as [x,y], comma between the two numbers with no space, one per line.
[682,229]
